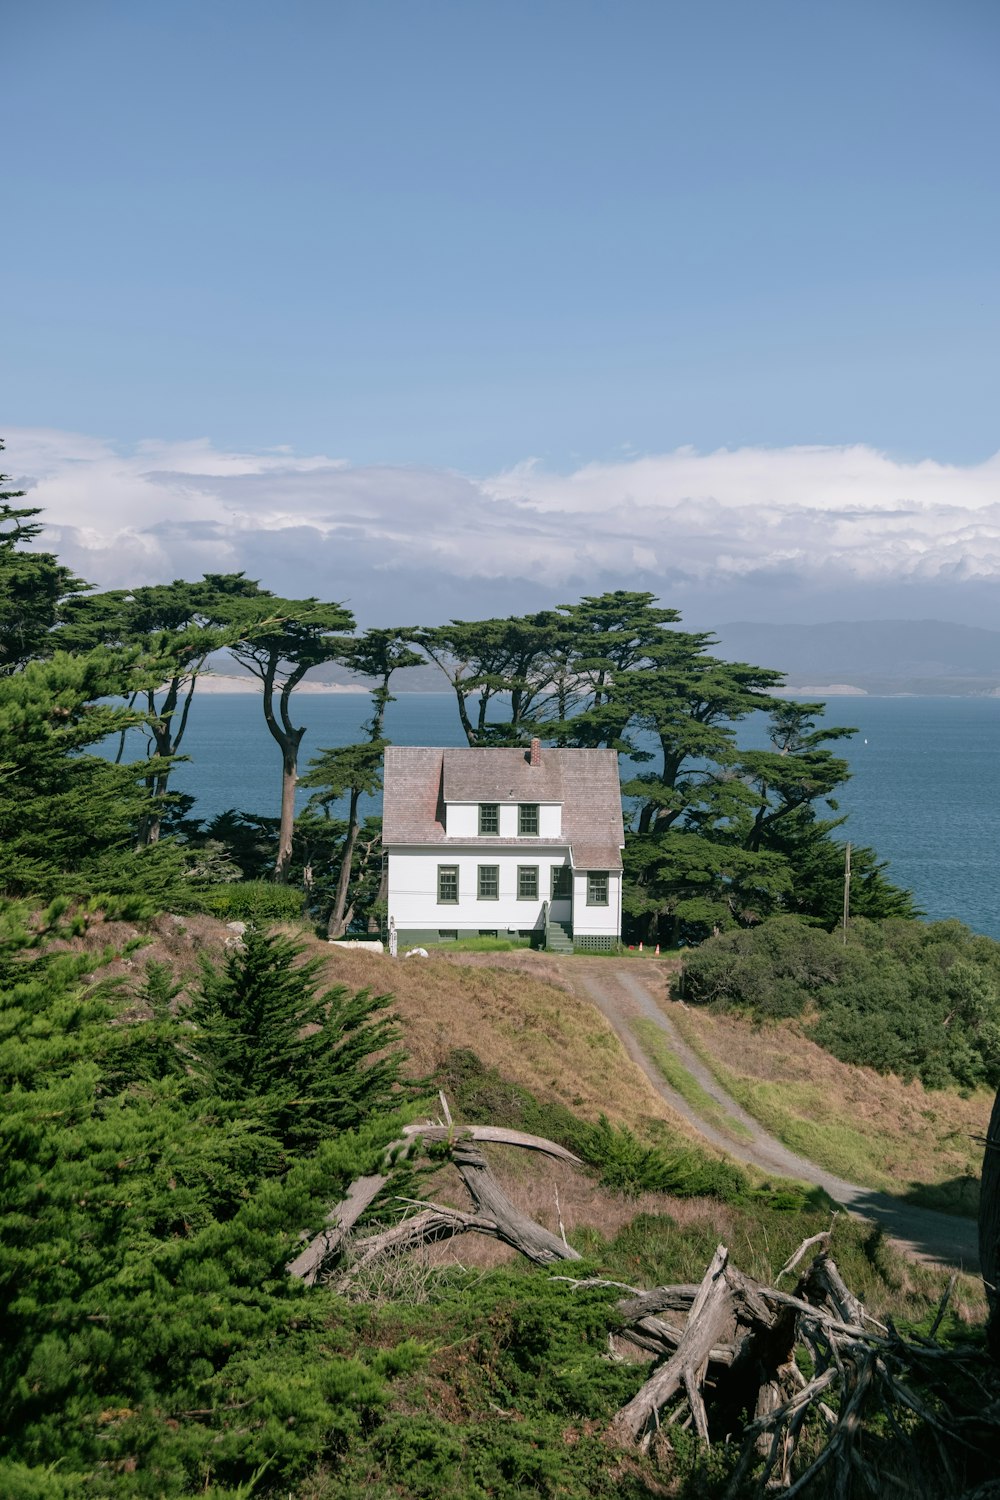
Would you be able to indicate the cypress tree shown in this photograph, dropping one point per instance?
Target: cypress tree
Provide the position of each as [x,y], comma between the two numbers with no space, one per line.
[306,1063]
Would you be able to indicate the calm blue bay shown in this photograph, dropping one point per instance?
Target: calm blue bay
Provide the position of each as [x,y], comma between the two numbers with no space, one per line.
[923,790]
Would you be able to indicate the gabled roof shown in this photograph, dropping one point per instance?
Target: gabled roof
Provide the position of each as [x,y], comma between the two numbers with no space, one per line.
[502,776]
[419,780]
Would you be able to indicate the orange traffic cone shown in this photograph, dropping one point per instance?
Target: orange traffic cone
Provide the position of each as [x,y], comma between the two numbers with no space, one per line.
[657,953]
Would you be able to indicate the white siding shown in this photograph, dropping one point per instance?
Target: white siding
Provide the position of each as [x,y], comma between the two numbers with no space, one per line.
[462,820]
[596,921]
[413,888]
[549,820]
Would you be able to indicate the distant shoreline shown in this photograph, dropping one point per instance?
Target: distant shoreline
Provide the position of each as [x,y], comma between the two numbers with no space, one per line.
[222,683]
[218,682]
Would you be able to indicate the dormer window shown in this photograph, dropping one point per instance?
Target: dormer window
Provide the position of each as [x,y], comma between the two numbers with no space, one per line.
[489,819]
[527,820]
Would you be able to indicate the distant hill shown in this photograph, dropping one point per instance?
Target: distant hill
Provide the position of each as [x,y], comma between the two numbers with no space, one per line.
[425,679]
[870,656]
[874,656]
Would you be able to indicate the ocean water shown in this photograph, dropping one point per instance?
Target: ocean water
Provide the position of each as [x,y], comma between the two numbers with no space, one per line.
[924,790]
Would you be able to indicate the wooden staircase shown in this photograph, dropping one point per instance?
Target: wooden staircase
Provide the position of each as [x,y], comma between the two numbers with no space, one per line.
[558,937]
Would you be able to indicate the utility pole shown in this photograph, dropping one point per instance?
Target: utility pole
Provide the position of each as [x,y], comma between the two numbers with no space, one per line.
[847,888]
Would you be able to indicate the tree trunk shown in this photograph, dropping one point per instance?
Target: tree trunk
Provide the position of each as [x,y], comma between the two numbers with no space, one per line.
[337,924]
[289,781]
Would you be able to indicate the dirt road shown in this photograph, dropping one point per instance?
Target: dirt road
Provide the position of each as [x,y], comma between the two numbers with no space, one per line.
[625,992]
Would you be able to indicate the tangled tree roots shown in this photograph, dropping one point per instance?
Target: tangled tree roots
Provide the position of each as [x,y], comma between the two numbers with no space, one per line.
[812,1353]
[811,1381]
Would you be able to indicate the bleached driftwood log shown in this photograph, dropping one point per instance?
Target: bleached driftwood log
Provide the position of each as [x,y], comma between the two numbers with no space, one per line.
[736,1350]
[495,1215]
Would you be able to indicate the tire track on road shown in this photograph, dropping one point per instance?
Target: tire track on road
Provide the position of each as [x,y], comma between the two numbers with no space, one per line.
[622,995]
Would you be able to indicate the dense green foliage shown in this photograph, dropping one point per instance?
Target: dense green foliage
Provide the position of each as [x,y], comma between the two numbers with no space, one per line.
[258,901]
[265,1042]
[719,836]
[69,817]
[153,1343]
[917,999]
[34,586]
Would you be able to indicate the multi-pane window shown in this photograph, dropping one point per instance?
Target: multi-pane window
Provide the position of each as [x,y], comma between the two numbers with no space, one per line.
[489,818]
[488,885]
[527,882]
[597,888]
[448,885]
[527,819]
[562,882]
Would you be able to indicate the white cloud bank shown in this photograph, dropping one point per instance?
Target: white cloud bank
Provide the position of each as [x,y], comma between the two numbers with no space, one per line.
[734,525]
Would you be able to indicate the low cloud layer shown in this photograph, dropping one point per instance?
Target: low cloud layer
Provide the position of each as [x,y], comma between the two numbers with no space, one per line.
[791,533]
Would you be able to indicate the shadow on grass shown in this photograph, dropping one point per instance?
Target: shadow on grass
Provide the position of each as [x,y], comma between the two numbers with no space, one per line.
[959,1195]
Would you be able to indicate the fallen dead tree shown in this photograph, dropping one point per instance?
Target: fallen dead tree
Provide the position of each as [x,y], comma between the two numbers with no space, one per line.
[815,1371]
[493,1212]
[805,1375]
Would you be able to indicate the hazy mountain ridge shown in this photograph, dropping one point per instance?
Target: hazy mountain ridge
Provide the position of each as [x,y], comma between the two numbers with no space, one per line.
[926,657]
[876,656]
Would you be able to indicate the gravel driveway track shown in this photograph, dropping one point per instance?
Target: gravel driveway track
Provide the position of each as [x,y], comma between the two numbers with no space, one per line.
[622,993]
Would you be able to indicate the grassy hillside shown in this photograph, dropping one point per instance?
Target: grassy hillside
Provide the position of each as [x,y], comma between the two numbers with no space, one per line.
[869,1127]
[456,1372]
[518,1014]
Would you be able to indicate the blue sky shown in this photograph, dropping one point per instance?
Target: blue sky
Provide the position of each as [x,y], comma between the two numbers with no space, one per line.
[451,238]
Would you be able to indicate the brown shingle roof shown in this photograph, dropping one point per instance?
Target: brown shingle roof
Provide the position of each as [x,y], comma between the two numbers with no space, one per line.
[419,780]
[501,776]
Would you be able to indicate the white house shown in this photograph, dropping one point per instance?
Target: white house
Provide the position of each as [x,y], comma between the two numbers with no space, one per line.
[504,843]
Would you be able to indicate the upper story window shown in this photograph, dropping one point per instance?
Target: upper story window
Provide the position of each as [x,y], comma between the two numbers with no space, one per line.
[527,819]
[489,818]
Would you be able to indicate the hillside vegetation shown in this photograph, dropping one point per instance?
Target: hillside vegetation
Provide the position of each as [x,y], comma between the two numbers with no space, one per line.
[921,1000]
[869,1127]
[190,1110]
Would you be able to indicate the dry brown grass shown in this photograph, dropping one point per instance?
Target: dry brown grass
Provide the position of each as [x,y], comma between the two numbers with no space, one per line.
[513,1012]
[511,1009]
[901,1132]
[174,940]
[533,1183]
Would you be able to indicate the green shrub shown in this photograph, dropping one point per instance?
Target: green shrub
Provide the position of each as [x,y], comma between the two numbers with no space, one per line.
[253,901]
[913,998]
[153,1344]
[627,1166]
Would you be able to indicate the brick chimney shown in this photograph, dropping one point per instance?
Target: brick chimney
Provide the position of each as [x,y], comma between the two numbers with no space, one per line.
[535,753]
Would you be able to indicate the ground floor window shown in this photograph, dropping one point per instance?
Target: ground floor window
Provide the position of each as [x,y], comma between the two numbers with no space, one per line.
[527,882]
[562,883]
[448,885]
[488,885]
[597,888]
